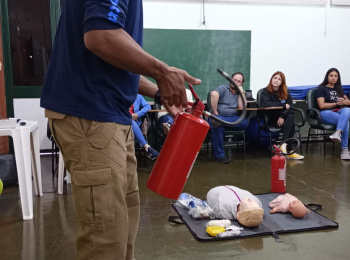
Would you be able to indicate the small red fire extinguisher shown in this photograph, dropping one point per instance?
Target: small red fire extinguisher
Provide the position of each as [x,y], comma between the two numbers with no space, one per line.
[278,166]
[181,147]
[278,172]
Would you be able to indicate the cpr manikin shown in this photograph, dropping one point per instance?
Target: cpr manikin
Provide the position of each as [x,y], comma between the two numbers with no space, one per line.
[288,203]
[230,202]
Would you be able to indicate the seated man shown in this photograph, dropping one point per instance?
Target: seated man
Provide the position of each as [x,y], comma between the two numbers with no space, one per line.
[224,101]
[288,203]
[164,120]
[138,110]
[230,202]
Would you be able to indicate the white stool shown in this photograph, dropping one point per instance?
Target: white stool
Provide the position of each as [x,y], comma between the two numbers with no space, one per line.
[60,174]
[27,153]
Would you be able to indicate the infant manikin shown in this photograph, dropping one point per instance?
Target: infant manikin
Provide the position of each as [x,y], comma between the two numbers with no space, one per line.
[288,203]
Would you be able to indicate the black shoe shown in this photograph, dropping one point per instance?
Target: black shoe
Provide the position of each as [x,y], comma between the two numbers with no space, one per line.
[223,159]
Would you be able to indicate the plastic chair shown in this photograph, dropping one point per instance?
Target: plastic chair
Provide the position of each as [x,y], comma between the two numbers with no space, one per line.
[230,137]
[60,175]
[314,119]
[268,127]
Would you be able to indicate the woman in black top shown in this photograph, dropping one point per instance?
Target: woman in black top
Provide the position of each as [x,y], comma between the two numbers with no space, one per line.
[331,100]
[276,95]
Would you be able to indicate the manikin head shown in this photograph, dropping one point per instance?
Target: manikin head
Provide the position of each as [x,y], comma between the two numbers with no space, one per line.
[250,214]
[297,208]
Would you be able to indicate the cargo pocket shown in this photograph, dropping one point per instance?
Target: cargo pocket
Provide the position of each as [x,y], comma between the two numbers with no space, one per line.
[108,139]
[94,197]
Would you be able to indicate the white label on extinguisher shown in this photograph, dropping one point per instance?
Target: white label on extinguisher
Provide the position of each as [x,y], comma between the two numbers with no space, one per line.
[188,174]
[282,173]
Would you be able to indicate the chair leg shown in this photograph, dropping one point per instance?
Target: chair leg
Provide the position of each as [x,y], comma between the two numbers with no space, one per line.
[308,136]
[270,143]
[301,149]
[324,142]
[244,146]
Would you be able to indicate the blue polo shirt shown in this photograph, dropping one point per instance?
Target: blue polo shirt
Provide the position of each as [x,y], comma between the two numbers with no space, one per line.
[78,82]
[228,102]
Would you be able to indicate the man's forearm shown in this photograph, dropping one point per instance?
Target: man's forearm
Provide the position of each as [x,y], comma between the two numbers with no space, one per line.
[147,88]
[120,50]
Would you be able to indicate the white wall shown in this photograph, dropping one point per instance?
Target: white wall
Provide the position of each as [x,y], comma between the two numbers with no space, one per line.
[302,41]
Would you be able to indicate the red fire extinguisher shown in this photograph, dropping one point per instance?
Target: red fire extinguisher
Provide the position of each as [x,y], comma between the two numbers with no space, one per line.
[278,167]
[181,147]
[278,172]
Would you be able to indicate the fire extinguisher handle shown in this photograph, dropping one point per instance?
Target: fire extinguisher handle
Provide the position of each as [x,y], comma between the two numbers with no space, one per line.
[279,151]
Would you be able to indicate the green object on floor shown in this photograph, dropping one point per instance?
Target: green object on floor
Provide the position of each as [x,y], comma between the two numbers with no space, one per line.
[1,186]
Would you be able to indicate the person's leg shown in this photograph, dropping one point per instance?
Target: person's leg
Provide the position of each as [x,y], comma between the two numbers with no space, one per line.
[132,195]
[241,126]
[217,139]
[288,130]
[343,125]
[329,117]
[101,159]
[138,134]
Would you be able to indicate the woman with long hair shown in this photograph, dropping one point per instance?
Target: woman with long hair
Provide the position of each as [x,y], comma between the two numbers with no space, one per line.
[276,95]
[332,101]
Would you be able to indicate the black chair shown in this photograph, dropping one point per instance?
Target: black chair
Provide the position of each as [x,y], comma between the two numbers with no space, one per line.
[159,135]
[314,119]
[54,150]
[271,129]
[231,137]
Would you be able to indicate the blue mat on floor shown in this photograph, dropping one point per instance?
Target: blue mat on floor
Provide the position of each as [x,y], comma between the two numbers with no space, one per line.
[273,224]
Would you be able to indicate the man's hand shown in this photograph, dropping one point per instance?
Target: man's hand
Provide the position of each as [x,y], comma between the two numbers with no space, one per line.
[171,85]
[280,122]
[287,106]
[172,110]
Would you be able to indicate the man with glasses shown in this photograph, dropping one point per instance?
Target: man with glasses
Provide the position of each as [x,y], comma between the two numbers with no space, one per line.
[224,101]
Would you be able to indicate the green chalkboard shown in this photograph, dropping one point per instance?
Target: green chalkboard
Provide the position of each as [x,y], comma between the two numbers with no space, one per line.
[201,52]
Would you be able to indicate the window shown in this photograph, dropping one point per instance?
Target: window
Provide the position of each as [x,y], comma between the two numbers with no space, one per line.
[30,40]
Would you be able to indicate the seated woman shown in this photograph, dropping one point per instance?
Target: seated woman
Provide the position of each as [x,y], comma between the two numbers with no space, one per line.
[288,203]
[276,94]
[138,110]
[331,100]
[230,202]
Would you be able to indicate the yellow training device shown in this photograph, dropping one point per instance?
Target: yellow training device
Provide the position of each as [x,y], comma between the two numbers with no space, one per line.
[215,230]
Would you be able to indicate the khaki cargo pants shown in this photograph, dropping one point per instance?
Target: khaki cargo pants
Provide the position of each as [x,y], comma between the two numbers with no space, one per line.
[101,160]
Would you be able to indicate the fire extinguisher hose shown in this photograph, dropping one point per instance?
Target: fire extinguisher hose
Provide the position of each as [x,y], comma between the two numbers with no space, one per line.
[244,111]
[286,141]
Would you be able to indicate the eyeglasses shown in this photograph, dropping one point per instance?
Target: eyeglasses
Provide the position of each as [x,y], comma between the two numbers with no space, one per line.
[237,81]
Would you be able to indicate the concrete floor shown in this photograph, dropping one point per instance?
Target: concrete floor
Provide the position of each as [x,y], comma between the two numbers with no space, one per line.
[317,179]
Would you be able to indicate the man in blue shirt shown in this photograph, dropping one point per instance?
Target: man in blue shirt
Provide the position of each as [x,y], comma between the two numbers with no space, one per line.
[224,101]
[92,80]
